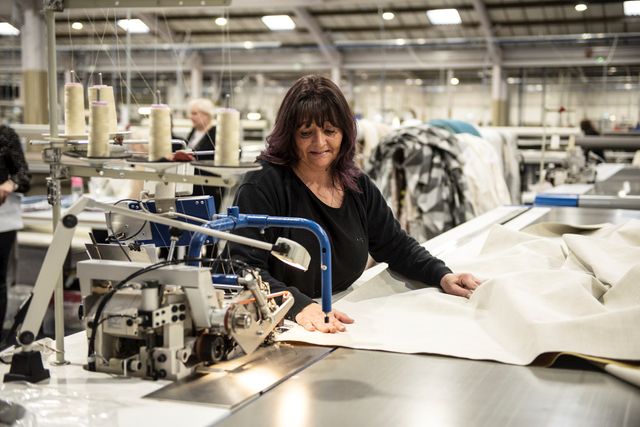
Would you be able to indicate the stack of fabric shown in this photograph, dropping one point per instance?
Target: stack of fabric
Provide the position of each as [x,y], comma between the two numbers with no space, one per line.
[434,179]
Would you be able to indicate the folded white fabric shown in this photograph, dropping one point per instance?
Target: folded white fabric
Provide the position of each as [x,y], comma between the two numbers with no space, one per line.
[544,291]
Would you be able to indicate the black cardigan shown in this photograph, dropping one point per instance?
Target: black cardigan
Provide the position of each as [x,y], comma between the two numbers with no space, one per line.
[363,224]
[12,162]
[207,143]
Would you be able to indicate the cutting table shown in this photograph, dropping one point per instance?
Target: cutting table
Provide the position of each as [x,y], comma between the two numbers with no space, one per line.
[357,387]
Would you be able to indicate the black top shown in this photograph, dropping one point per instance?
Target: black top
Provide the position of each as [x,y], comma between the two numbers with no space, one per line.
[363,224]
[207,143]
[13,165]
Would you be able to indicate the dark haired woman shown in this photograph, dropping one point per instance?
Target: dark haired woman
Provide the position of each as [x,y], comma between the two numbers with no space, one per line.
[308,171]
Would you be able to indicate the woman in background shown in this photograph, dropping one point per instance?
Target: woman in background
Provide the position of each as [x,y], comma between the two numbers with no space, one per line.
[203,138]
[14,179]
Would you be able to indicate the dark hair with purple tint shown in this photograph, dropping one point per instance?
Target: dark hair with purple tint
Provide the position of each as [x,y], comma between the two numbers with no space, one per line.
[314,99]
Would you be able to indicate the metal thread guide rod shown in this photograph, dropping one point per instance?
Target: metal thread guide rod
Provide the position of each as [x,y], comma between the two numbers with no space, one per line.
[55,172]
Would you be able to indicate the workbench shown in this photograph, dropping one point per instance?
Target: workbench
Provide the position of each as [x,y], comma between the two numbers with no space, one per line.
[356,387]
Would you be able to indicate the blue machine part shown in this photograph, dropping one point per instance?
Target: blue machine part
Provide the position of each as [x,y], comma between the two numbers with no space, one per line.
[235,220]
[200,207]
[550,199]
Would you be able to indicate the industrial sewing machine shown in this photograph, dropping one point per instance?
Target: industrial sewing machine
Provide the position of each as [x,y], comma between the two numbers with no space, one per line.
[161,320]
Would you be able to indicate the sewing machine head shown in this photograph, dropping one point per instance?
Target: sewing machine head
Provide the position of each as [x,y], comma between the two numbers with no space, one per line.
[166,322]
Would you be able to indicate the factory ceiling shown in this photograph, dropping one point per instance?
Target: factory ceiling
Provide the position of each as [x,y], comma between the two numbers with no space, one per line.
[358,36]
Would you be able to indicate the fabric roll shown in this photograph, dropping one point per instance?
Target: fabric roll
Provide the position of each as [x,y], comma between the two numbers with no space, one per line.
[106,95]
[74,123]
[98,129]
[159,132]
[227,138]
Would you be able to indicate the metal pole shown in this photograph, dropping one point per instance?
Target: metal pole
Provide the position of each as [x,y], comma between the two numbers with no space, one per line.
[128,74]
[54,181]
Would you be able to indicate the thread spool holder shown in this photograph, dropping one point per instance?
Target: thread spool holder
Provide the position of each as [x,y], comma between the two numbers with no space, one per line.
[57,144]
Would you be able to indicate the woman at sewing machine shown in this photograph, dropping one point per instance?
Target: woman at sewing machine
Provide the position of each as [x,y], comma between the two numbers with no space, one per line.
[308,170]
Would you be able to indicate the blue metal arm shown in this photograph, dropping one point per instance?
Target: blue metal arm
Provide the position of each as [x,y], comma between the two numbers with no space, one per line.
[235,220]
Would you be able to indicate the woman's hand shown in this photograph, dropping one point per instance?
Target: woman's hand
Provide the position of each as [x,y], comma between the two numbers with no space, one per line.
[6,188]
[312,319]
[462,284]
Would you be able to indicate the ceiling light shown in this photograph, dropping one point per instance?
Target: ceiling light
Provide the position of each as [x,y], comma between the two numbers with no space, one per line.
[279,22]
[632,8]
[133,26]
[421,41]
[444,16]
[417,82]
[581,7]
[586,36]
[7,29]
[221,21]
[254,116]
[388,16]
[400,42]
[408,82]
[248,45]
[77,26]
[454,81]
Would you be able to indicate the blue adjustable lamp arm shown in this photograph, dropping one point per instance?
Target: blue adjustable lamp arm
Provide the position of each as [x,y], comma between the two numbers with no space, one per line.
[235,220]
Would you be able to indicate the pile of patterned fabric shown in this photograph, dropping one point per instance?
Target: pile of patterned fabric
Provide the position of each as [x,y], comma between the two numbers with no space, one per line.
[434,179]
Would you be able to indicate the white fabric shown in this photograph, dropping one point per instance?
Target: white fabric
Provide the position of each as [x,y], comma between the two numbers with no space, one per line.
[11,213]
[195,138]
[544,292]
[482,167]
[506,145]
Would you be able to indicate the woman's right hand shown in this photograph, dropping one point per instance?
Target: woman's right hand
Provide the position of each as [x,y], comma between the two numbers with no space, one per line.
[312,319]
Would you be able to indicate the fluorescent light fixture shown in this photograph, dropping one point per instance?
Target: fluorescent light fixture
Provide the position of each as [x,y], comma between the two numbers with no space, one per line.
[7,29]
[581,7]
[248,45]
[631,8]
[221,21]
[278,22]
[400,42]
[444,16]
[133,26]
[454,81]
[586,36]
[254,115]
[77,26]
[388,16]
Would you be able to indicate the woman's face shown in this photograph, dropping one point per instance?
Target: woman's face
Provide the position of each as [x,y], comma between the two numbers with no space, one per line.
[199,120]
[318,147]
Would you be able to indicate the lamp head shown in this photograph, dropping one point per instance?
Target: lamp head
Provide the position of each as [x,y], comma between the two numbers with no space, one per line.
[291,253]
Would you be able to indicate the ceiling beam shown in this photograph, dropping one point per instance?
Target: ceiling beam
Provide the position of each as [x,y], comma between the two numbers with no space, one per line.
[485,24]
[237,5]
[325,45]
[161,30]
